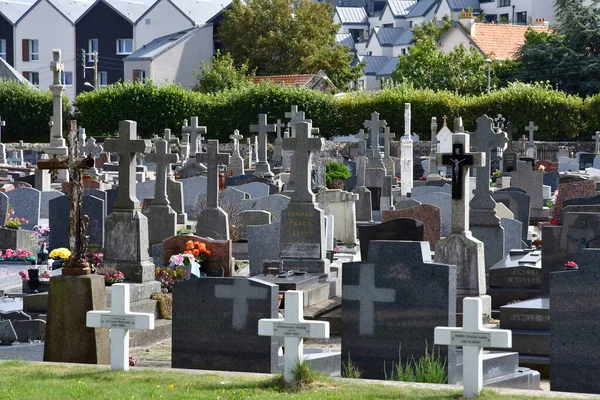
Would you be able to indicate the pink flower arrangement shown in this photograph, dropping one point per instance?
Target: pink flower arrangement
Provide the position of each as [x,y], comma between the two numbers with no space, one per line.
[46,275]
[24,275]
[571,265]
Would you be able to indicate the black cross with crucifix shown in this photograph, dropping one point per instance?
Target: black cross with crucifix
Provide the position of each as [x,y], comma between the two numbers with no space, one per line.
[457,160]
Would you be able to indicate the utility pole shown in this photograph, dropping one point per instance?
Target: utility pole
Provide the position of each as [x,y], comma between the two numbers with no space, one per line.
[94,54]
[95,69]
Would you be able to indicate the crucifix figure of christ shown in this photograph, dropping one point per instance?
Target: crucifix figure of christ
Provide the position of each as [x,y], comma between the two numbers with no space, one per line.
[76,264]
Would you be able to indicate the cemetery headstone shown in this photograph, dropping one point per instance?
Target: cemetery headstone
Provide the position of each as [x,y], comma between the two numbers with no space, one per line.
[428,214]
[364,204]
[532,182]
[278,143]
[196,131]
[25,202]
[531,151]
[236,165]
[443,201]
[519,202]
[572,190]
[263,129]
[57,146]
[407,229]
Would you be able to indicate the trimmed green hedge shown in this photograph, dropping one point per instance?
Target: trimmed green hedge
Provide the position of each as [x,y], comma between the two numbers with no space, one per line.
[27,112]
[558,116]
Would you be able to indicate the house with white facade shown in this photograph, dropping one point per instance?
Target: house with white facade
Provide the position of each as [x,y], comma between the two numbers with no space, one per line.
[172,58]
[518,11]
[45,26]
[10,12]
[395,12]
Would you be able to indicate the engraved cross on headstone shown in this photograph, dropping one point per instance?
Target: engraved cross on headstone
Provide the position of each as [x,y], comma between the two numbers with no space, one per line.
[461,162]
[303,145]
[262,128]
[56,66]
[374,124]
[127,146]
[196,132]
[531,128]
[163,159]
[500,122]
[212,158]
[484,139]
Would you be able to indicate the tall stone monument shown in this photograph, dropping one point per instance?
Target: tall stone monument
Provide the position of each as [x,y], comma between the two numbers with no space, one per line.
[406,154]
[460,248]
[485,225]
[57,146]
[531,151]
[236,165]
[364,207]
[196,131]
[262,166]
[375,174]
[433,173]
[303,235]
[127,228]
[174,188]
[213,221]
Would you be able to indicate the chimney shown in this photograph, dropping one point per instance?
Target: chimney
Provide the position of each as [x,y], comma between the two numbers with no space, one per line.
[467,21]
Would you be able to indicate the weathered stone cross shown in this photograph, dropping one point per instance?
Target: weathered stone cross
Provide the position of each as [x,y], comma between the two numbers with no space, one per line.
[461,162]
[212,158]
[279,125]
[473,337]
[262,129]
[484,139]
[91,147]
[119,320]
[56,66]
[127,146]
[293,328]
[596,136]
[531,128]
[303,145]
[362,142]
[361,162]
[240,291]
[387,139]
[295,116]
[196,131]
[374,124]
[236,137]
[163,159]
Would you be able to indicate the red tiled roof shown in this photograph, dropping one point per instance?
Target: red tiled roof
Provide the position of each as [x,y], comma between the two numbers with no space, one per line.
[288,80]
[500,41]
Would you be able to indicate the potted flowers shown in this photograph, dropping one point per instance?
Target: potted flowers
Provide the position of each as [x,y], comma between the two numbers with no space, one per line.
[58,257]
[571,266]
[14,222]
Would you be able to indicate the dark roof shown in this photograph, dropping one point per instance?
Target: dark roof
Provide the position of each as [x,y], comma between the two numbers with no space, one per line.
[374,63]
[9,73]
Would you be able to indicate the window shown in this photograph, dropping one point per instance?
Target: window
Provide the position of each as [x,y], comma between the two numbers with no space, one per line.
[403,52]
[357,34]
[32,77]
[34,50]
[67,78]
[522,17]
[148,21]
[124,46]
[504,18]
[3,48]
[410,24]
[92,47]
[361,85]
[102,78]
[503,3]
[139,75]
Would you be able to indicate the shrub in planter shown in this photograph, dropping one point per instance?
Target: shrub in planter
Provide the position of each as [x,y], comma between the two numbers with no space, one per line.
[336,174]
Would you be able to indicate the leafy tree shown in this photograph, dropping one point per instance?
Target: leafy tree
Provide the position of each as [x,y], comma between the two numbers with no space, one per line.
[286,37]
[221,74]
[434,29]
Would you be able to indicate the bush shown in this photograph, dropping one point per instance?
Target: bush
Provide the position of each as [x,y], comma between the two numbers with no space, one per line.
[27,112]
[336,170]
[592,113]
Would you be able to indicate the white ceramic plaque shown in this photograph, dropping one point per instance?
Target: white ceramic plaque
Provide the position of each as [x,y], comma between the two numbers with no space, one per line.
[117,321]
[291,330]
[470,339]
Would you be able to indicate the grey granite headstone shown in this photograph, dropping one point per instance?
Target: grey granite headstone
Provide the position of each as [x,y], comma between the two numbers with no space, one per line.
[443,201]
[28,331]
[59,222]
[255,189]
[45,202]
[518,276]
[381,298]
[512,234]
[551,179]
[574,327]
[193,189]
[519,204]
[93,207]
[7,332]
[111,197]
[424,190]
[532,183]
[26,204]
[215,325]
[582,201]
[404,203]
[396,229]
[275,203]
[251,217]
[101,194]
[263,244]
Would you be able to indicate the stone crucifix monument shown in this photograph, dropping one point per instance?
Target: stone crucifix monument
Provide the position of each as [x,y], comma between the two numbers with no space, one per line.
[213,221]
[296,117]
[162,219]
[262,166]
[485,225]
[57,146]
[460,248]
[196,131]
[127,228]
[236,165]
[406,154]
[303,235]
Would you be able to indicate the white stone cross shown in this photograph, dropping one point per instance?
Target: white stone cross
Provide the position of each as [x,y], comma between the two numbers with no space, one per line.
[196,132]
[367,294]
[92,148]
[279,125]
[387,139]
[473,337]
[531,128]
[163,159]
[596,136]
[236,137]
[82,138]
[240,291]
[303,145]
[119,320]
[262,129]
[127,146]
[212,158]
[434,141]
[407,116]
[3,123]
[362,142]
[56,66]
[374,124]
[293,328]
[170,138]
[295,116]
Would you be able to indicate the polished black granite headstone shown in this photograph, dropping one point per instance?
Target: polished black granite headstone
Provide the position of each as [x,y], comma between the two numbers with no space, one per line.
[518,276]
[575,326]
[396,229]
[519,203]
[395,300]
[215,325]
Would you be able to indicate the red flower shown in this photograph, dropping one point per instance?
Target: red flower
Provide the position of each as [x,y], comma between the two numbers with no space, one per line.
[553,222]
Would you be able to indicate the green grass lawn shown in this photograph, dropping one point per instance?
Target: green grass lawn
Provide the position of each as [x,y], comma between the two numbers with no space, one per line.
[21,380]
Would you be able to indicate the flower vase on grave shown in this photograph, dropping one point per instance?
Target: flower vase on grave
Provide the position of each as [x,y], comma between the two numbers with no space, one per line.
[34,280]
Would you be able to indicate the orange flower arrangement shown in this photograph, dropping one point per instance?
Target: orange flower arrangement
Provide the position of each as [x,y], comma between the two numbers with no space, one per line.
[197,249]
